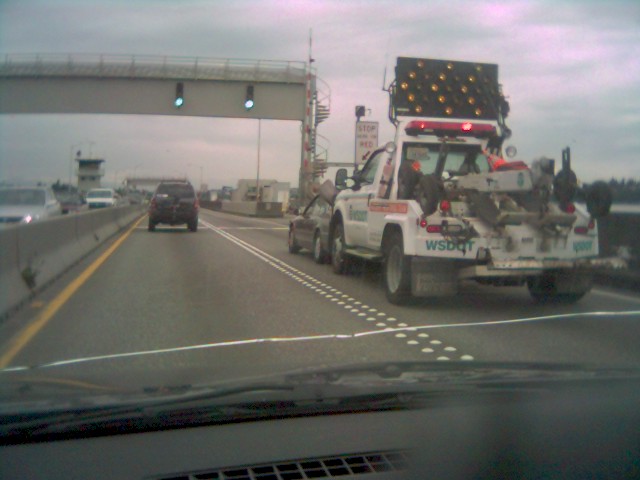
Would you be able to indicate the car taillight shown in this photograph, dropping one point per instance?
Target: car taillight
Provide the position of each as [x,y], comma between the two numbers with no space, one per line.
[569,208]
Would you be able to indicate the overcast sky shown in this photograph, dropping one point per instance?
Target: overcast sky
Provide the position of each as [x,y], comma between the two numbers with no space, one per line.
[570,69]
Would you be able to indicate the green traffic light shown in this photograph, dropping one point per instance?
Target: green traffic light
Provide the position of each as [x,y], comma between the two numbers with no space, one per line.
[179,101]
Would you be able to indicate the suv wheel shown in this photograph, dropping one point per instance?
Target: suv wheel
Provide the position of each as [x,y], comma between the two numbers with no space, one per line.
[193,225]
[151,226]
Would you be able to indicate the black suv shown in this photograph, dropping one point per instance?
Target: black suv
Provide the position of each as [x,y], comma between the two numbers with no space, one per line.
[174,203]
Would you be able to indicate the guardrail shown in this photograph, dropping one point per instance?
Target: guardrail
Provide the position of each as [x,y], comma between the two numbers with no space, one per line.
[34,255]
[152,66]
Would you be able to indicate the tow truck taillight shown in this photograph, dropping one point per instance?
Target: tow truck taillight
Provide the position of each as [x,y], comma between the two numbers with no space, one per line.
[424,127]
[585,229]
[423,222]
[445,206]
[434,228]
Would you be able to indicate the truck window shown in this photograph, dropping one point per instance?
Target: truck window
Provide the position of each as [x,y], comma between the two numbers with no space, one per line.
[426,155]
[462,162]
[368,173]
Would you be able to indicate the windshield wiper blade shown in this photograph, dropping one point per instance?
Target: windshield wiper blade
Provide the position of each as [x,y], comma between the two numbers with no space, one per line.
[39,423]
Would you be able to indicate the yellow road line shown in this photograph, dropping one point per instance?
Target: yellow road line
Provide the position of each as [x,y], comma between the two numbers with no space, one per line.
[24,337]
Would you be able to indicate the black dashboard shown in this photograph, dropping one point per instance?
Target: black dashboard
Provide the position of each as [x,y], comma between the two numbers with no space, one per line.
[579,432]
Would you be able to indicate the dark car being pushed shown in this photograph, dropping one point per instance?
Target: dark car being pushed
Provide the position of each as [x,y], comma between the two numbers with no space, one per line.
[174,203]
[310,230]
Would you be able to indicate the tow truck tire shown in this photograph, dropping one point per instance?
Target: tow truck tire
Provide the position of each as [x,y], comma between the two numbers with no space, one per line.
[397,270]
[293,246]
[319,253]
[339,261]
[544,289]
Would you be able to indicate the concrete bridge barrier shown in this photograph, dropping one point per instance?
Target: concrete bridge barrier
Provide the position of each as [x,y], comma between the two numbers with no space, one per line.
[34,255]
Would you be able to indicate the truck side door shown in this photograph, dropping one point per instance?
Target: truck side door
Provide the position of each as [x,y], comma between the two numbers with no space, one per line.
[380,204]
[357,209]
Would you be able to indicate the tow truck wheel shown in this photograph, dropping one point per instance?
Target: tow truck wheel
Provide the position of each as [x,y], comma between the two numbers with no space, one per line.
[293,246]
[397,270]
[319,253]
[548,289]
[339,261]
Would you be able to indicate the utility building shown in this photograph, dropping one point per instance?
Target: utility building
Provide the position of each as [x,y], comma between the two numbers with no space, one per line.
[90,173]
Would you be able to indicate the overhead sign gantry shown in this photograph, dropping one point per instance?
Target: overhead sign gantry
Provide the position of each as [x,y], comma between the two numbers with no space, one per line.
[159,85]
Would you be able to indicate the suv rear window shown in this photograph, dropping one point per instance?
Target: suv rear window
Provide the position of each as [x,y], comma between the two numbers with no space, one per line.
[180,190]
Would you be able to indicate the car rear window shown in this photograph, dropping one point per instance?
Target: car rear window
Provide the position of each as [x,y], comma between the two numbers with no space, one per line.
[100,194]
[176,190]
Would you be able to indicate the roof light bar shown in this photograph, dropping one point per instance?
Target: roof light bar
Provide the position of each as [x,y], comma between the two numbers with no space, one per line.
[454,129]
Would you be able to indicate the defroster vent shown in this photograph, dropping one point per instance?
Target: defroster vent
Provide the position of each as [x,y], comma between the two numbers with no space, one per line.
[328,467]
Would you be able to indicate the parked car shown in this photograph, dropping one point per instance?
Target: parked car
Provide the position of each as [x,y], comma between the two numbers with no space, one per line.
[102,197]
[310,230]
[27,204]
[174,203]
[71,202]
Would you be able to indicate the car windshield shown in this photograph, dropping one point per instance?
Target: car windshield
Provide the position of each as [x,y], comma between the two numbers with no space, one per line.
[198,132]
[22,196]
[100,194]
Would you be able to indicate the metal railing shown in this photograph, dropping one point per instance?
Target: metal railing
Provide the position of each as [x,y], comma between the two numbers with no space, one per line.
[151,66]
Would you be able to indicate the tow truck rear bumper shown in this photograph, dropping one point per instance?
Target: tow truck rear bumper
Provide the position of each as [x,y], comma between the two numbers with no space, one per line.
[516,268]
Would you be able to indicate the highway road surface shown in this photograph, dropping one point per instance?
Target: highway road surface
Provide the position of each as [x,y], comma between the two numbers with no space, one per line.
[232,298]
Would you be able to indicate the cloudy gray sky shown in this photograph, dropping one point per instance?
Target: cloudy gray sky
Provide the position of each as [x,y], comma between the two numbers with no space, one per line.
[571,71]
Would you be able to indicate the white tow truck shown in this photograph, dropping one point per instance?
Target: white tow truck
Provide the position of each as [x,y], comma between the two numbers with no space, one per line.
[440,204]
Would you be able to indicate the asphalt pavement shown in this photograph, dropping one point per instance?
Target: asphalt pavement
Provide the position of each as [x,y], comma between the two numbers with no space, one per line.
[232,300]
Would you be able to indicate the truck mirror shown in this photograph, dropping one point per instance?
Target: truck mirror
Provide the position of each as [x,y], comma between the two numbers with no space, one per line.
[341,178]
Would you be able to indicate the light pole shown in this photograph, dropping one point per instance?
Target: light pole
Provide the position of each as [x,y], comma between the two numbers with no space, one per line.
[135,169]
[258,168]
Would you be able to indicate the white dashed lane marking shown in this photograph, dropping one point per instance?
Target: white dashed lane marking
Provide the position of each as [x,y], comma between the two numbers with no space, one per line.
[348,303]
